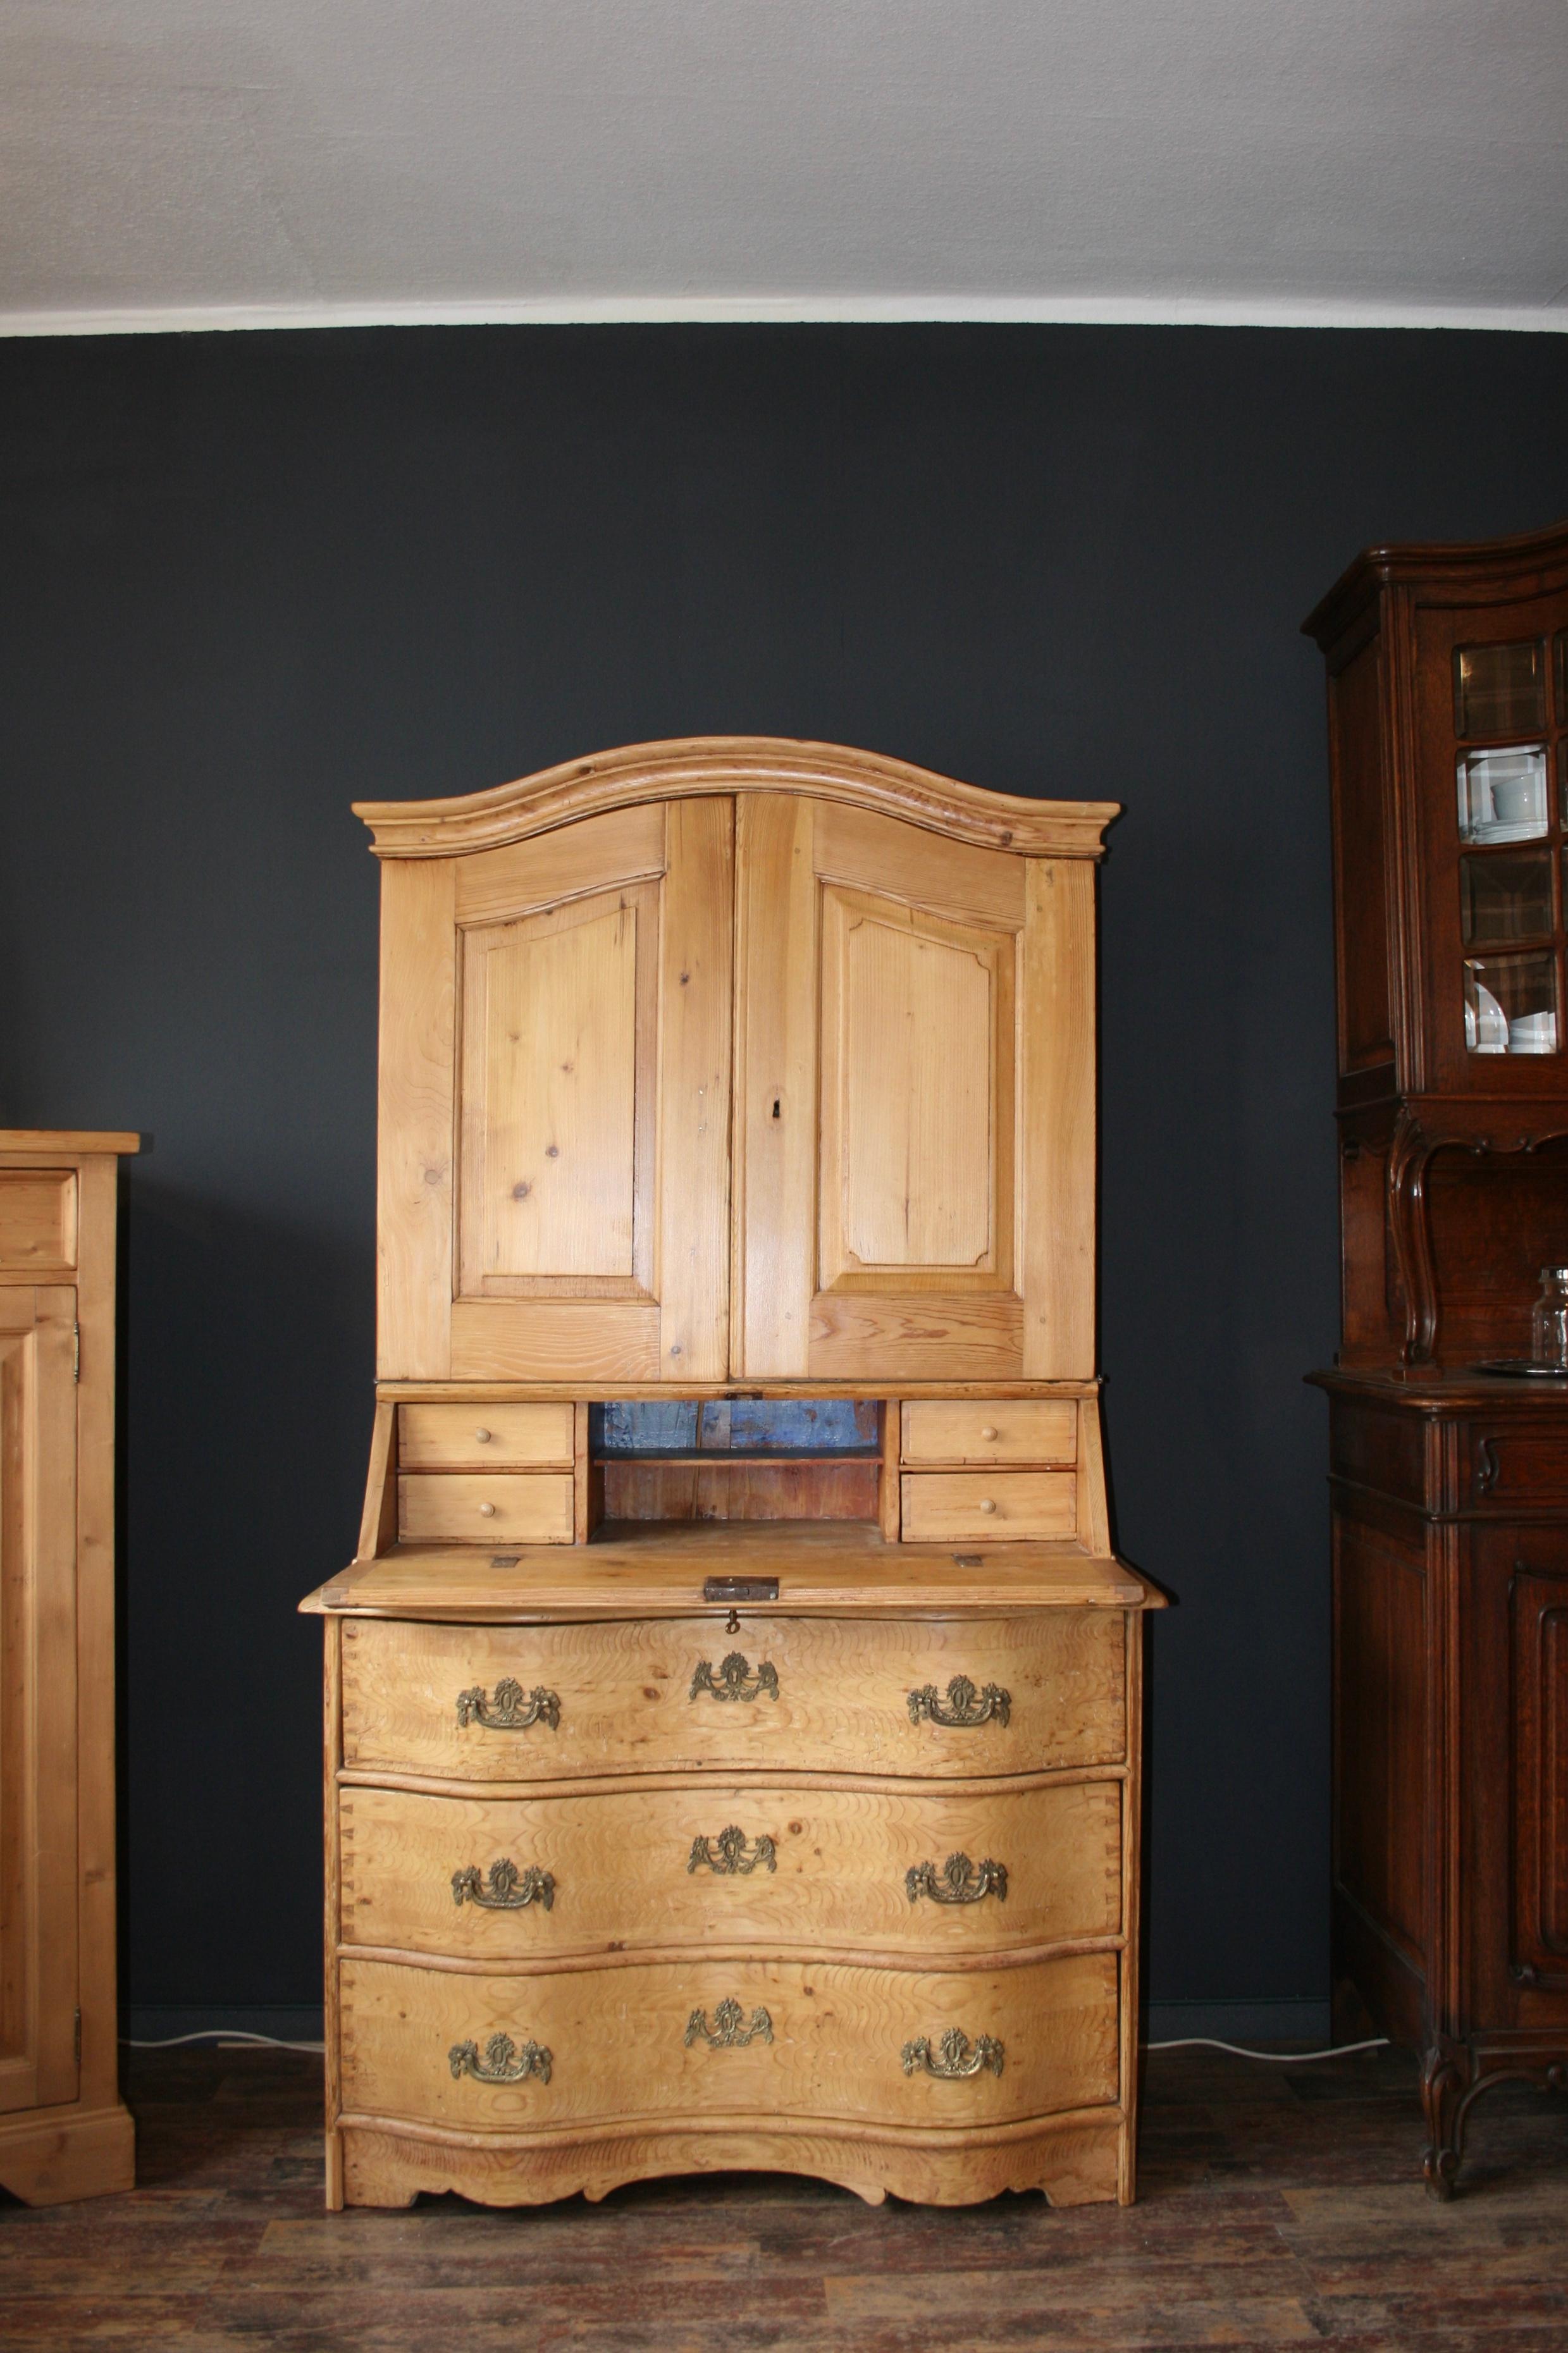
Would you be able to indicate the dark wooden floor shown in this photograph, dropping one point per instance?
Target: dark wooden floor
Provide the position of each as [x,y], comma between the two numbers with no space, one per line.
[1281,2208]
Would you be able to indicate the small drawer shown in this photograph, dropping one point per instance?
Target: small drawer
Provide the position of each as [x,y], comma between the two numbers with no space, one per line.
[998,1506]
[462,1507]
[37,1221]
[1514,1464]
[917,1871]
[491,2054]
[509,1437]
[991,1430]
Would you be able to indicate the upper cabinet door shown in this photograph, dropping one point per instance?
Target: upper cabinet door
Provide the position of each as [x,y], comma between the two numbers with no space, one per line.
[555,1103]
[915,1127]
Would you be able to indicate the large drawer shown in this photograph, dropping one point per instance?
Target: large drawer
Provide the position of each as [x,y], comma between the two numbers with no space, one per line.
[735,2039]
[950,1696]
[933,1872]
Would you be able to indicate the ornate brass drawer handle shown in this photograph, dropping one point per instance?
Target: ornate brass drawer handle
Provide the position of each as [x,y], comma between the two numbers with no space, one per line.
[729,2030]
[511,1710]
[965,1705]
[507,1889]
[734,1679]
[956,2056]
[504,2062]
[727,1855]
[958,1881]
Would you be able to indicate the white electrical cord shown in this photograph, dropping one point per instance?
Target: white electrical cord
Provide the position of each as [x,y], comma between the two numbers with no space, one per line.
[228,2037]
[1272,2058]
[224,2036]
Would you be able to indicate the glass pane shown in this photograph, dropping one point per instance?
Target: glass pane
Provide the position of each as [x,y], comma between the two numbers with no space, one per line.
[1499,689]
[1510,1004]
[1503,794]
[1506,898]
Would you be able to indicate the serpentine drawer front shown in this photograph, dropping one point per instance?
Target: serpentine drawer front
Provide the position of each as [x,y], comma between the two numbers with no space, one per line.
[954,1696]
[708,2037]
[956,1871]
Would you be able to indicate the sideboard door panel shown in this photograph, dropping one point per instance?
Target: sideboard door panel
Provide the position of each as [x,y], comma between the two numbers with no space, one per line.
[566,1190]
[915,1134]
[37,1698]
[1539,1611]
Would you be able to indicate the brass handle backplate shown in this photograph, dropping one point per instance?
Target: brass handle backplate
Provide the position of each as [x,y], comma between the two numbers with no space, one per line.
[508,1889]
[958,1881]
[504,2062]
[965,1705]
[955,2055]
[729,2030]
[511,1710]
[726,1854]
[734,1679]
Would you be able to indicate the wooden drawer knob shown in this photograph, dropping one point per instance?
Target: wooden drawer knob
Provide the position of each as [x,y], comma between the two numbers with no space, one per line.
[482,1436]
[487,1511]
[986,1504]
[988,1433]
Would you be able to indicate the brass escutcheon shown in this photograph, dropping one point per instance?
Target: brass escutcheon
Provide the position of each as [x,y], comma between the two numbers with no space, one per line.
[504,2062]
[958,1881]
[964,1704]
[734,1679]
[729,2030]
[508,1889]
[511,1710]
[955,2055]
[727,1855]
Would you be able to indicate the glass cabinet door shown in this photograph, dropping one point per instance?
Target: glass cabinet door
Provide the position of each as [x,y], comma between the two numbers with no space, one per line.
[1508,729]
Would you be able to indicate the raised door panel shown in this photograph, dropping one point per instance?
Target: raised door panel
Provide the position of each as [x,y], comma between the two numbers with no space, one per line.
[556,1091]
[37,1699]
[913,1192]
[1539,1632]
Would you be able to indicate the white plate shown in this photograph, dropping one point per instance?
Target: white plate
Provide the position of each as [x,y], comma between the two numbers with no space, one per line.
[1494,829]
[1485,1023]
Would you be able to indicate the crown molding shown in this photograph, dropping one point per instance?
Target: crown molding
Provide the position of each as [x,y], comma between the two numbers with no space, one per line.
[798,309]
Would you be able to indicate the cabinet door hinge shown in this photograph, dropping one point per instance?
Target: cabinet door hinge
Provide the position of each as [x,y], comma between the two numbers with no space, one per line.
[79,2038]
[76,1352]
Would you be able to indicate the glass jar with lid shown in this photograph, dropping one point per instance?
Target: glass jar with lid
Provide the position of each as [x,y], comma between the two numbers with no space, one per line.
[1549,1320]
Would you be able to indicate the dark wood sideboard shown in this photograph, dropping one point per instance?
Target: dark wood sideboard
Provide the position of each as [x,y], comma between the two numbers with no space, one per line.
[1448,736]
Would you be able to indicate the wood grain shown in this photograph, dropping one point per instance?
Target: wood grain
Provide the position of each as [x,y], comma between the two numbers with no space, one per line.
[843,1695]
[495,886]
[994,1506]
[509,1436]
[990,1430]
[418,1051]
[1057,1121]
[486,1507]
[775,1082]
[696,983]
[837,2032]
[38,1223]
[836,1883]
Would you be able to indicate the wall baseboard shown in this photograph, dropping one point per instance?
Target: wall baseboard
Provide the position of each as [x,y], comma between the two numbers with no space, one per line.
[286,2022]
[1301,2019]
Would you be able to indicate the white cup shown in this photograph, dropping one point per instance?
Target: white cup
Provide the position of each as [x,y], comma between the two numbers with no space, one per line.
[1513,798]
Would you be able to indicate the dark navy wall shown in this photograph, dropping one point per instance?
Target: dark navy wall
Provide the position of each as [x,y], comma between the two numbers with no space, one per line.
[248,577]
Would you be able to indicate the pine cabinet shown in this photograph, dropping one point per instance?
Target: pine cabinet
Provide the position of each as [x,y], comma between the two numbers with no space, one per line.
[733,1707]
[63,2131]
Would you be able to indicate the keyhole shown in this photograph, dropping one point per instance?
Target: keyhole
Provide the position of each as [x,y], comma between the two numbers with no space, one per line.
[732,1623]
[775,1106]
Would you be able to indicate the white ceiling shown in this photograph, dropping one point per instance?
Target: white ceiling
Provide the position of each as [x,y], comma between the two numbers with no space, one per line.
[217,163]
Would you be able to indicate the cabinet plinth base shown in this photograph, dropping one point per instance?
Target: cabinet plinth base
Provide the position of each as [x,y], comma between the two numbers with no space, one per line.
[52,2156]
[1076,2161]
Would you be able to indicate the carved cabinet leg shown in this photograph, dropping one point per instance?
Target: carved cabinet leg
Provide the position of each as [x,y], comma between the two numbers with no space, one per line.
[1443,2101]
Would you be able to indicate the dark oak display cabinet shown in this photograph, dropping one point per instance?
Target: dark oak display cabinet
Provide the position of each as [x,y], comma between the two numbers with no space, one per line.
[1448,736]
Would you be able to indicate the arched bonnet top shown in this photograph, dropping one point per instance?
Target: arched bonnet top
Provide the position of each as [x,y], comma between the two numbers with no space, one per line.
[736,763]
